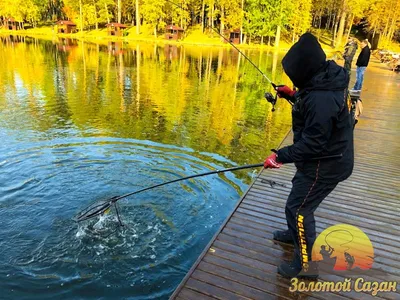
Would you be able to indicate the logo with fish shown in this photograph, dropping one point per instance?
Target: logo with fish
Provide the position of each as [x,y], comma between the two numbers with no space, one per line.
[342,248]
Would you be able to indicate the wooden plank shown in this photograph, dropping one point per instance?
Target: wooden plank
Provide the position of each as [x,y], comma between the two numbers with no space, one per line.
[339,191]
[258,244]
[268,262]
[266,288]
[232,225]
[189,294]
[332,205]
[262,275]
[321,222]
[211,290]
[228,285]
[279,208]
[334,201]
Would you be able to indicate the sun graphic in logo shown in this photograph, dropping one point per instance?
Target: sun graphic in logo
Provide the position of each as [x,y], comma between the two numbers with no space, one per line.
[343,247]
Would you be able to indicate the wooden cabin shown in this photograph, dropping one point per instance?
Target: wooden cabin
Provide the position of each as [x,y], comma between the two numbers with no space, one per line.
[66,26]
[11,24]
[173,32]
[115,29]
[234,36]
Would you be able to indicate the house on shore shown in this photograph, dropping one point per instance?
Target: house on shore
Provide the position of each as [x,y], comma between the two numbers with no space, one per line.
[66,26]
[234,36]
[11,24]
[173,32]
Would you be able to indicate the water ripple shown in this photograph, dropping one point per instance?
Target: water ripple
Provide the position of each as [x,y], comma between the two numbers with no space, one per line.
[53,179]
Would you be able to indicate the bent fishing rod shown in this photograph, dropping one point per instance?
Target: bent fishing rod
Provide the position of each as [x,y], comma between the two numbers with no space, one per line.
[228,41]
[97,209]
[100,208]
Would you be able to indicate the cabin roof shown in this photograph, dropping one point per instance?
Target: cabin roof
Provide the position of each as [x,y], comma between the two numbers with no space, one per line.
[116,25]
[173,27]
[66,22]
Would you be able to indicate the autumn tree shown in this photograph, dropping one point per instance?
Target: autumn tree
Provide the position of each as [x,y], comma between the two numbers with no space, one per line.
[300,19]
[349,8]
[153,14]
[230,14]
[383,18]
[261,18]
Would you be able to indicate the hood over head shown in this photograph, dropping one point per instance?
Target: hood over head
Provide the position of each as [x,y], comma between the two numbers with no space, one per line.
[331,77]
[304,60]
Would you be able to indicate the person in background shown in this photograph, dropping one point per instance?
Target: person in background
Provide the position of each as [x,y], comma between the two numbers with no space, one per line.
[321,126]
[349,52]
[362,64]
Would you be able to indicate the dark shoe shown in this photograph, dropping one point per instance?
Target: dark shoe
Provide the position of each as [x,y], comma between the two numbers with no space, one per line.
[291,270]
[283,236]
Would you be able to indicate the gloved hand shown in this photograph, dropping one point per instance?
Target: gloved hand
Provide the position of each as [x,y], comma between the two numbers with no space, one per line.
[286,92]
[270,162]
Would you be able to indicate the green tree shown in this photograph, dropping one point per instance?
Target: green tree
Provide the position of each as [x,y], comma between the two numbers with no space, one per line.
[153,14]
[261,18]
[285,10]
[103,8]
[178,14]
[20,10]
[300,20]
[230,14]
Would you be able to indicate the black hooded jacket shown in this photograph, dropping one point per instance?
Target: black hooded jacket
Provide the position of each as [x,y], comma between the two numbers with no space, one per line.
[320,117]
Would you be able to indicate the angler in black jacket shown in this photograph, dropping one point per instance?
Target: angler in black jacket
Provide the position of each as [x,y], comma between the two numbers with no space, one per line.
[321,127]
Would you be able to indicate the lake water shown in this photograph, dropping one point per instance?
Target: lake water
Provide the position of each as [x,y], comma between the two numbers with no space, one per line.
[81,122]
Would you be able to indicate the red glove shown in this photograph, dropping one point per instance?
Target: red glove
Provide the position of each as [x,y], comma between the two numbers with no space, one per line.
[271,162]
[286,92]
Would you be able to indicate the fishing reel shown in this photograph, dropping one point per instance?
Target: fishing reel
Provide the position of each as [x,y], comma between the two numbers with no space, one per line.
[271,99]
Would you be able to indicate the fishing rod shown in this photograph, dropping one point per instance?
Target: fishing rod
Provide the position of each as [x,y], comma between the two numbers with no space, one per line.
[228,41]
[97,209]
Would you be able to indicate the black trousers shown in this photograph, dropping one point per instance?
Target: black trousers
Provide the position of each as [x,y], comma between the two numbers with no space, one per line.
[306,194]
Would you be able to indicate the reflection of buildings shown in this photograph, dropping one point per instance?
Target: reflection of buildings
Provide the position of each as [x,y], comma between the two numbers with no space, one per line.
[12,39]
[171,52]
[116,48]
[66,44]
[115,29]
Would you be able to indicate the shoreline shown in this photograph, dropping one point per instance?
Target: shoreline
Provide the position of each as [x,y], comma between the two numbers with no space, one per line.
[90,37]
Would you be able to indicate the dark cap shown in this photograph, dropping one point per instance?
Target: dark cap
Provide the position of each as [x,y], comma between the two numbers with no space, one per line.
[304,60]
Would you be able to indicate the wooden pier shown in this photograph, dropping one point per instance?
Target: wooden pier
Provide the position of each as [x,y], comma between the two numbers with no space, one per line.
[241,260]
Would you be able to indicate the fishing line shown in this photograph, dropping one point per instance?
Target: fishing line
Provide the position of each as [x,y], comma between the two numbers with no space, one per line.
[352,238]
[228,41]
